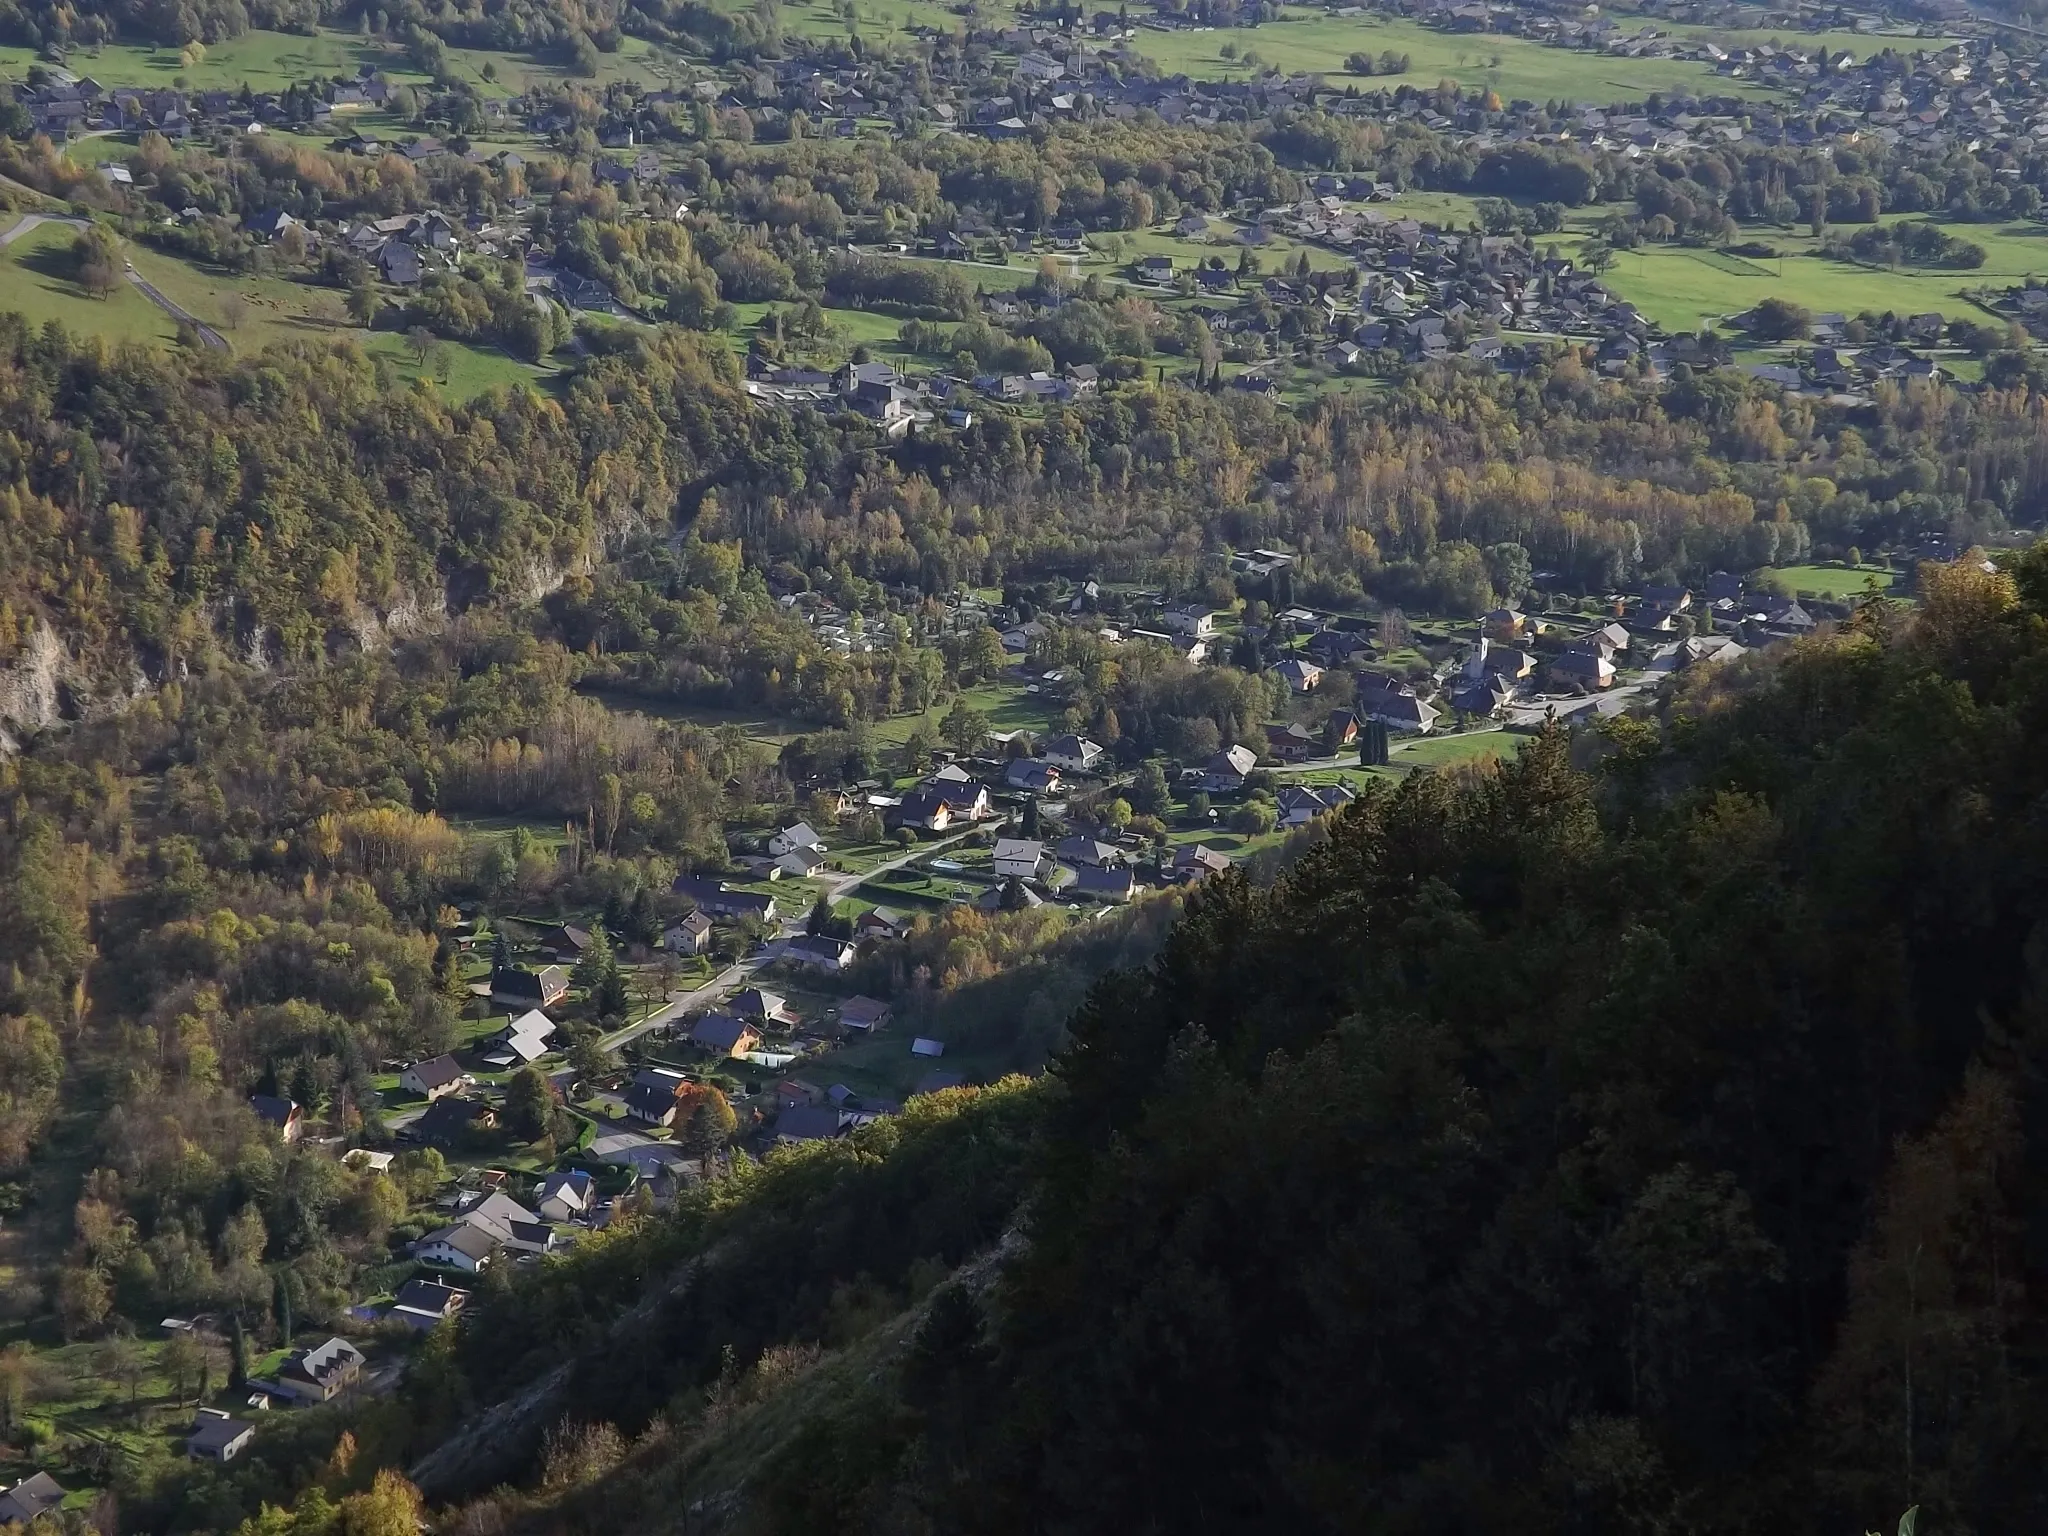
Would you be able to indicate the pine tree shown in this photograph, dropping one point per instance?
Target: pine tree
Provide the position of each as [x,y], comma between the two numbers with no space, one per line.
[238,1354]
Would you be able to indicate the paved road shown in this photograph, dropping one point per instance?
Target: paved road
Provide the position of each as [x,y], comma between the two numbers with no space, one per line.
[735,975]
[35,221]
[1663,662]
[208,336]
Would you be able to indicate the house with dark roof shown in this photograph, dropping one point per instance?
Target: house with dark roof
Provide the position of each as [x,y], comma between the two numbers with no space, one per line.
[433,1078]
[517,987]
[723,1035]
[809,1122]
[425,1304]
[1115,884]
[866,1014]
[281,1114]
[450,1122]
[215,1436]
[36,1494]
[715,900]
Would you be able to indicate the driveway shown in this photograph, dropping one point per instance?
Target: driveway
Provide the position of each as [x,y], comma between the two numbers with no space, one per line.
[1616,700]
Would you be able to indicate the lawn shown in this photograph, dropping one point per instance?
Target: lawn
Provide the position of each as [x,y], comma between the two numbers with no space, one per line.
[1835,581]
[1309,40]
[1461,747]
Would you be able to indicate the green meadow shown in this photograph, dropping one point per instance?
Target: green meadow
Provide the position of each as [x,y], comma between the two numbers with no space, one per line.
[1313,41]
[1679,286]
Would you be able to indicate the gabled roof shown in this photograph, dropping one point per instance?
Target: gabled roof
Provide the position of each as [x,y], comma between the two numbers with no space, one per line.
[436,1071]
[721,1031]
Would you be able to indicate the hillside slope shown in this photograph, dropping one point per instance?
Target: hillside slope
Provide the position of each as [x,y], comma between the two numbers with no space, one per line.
[1642,1143]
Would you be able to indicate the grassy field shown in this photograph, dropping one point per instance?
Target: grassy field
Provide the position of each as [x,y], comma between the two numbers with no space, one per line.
[269,61]
[1679,287]
[1441,751]
[36,280]
[1314,41]
[1835,580]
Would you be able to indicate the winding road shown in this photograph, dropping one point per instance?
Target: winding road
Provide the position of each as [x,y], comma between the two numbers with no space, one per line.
[208,336]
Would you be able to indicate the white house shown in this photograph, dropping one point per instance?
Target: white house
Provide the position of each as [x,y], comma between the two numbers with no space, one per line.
[790,839]
[462,1247]
[1076,754]
[1196,620]
[801,862]
[1021,859]
[217,1437]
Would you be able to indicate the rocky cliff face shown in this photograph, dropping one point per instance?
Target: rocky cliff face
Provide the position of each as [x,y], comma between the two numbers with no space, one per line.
[30,689]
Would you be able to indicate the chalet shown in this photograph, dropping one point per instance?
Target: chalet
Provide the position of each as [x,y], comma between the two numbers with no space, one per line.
[881,923]
[321,1373]
[655,1094]
[1075,754]
[1086,851]
[1582,667]
[1032,775]
[517,987]
[523,1040]
[799,863]
[433,1078]
[809,1122]
[865,1014]
[1504,624]
[282,1114]
[1197,620]
[1340,730]
[215,1436]
[1292,743]
[1196,861]
[564,941]
[1395,705]
[690,935]
[763,1007]
[724,1036]
[425,1304]
[1301,804]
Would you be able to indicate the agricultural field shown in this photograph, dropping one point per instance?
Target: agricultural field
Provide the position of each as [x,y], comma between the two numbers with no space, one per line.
[1680,287]
[1519,69]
